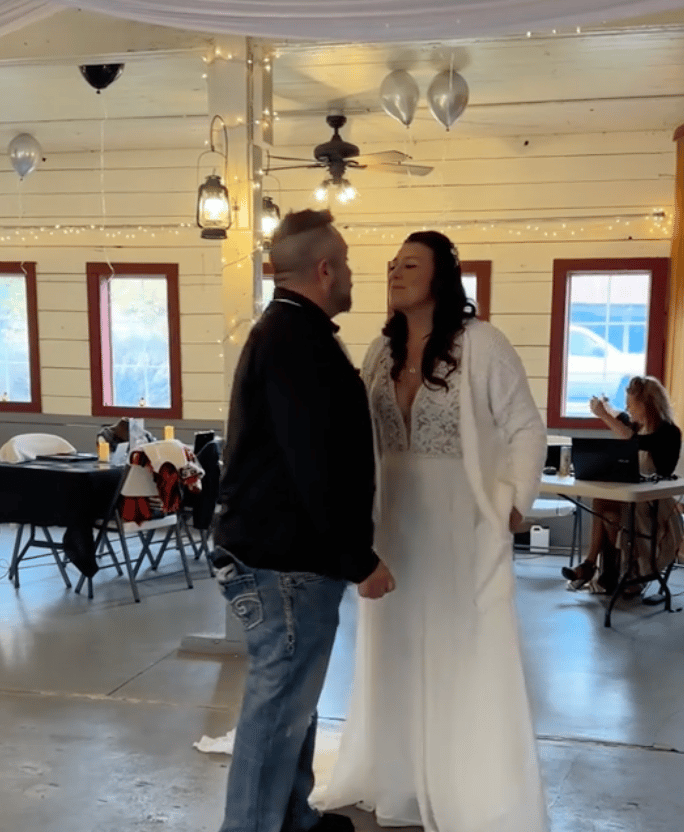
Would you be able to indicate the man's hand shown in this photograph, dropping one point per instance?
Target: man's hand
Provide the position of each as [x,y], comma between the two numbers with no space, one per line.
[515,520]
[378,583]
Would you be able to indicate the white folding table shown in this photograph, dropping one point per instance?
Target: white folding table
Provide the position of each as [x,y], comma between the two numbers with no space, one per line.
[632,493]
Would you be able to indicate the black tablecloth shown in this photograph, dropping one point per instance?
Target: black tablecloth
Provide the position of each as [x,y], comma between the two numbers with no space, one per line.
[64,493]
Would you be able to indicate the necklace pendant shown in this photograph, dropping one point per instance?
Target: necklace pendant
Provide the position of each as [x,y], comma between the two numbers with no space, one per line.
[412,370]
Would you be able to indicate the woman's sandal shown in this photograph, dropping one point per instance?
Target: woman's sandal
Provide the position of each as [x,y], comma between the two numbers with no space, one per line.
[581,574]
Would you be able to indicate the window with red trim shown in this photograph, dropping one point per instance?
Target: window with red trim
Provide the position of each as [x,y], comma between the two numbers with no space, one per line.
[476,276]
[477,282]
[134,323]
[19,353]
[607,325]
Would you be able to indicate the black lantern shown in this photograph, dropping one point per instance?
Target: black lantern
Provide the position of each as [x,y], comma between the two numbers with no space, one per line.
[213,209]
[214,215]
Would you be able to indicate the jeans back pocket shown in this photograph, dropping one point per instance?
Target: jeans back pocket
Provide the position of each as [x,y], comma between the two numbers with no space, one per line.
[243,596]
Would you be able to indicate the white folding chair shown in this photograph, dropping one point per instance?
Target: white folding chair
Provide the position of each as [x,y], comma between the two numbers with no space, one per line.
[137,482]
[25,447]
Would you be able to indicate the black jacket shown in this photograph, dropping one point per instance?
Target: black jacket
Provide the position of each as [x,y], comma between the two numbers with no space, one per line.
[298,482]
[664,444]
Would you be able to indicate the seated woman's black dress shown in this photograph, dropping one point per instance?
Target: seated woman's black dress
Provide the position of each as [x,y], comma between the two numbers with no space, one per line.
[658,455]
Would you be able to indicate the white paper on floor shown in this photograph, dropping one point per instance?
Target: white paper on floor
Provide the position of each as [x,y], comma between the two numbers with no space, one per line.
[325,755]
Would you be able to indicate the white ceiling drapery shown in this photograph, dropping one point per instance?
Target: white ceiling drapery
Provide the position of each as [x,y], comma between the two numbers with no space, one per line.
[349,20]
[15,14]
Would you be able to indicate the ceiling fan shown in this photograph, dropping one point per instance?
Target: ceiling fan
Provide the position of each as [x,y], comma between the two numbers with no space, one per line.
[337,155]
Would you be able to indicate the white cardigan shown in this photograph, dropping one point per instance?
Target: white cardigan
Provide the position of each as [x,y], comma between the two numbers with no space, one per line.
[504,445]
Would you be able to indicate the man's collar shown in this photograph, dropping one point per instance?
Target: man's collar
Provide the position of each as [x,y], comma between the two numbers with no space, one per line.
[313,309]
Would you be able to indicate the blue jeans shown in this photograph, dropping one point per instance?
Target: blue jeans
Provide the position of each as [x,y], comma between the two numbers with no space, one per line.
[290,620]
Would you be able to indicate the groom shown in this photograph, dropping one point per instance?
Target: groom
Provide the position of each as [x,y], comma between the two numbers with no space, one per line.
[297,494]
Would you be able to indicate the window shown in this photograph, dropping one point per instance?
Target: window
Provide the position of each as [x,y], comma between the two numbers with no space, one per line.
[267,286]
[607,325]
[134,339]
[475,274]
[19,357]
[477,281]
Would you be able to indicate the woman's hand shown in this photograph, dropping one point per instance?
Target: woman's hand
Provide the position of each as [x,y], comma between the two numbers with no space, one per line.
[515,520]
[598,407]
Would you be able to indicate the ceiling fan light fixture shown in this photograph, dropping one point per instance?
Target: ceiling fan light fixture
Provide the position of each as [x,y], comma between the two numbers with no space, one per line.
[342,190]
[321,192]
[346,192]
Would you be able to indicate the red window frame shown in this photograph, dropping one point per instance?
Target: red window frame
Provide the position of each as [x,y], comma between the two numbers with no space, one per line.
[482,269]
[96,273]
[28,272]
[655,350]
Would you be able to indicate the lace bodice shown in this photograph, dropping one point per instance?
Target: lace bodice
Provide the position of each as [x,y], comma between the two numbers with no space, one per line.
[435,413]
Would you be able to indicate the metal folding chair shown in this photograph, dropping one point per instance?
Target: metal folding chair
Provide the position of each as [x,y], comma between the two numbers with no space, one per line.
[136,482]
[22,448]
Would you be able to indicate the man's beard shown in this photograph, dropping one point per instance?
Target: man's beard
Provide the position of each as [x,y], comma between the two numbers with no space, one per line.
[342,299]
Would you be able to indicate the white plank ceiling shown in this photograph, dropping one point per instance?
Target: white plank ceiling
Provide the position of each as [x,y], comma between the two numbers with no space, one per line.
[599,80]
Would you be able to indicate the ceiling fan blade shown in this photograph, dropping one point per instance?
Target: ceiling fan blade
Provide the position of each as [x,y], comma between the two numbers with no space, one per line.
[408,170]
[417,170]
[382,156]
[289,158]
[292,167]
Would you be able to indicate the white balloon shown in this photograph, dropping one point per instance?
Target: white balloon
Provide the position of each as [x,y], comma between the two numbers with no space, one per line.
[447,97]
[399,95]
[25,153]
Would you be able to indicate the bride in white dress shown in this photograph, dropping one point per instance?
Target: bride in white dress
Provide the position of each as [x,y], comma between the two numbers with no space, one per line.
[439,733]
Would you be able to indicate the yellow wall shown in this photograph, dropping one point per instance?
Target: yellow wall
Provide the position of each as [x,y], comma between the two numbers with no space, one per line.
[517,205]
[142,189]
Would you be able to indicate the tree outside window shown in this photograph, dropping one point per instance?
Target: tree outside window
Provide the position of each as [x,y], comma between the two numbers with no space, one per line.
[135,339]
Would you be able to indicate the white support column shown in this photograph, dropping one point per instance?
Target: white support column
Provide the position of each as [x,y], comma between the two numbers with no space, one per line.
[230,96]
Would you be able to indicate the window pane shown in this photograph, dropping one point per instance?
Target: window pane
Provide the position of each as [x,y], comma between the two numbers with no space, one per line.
[607,337]
[470,286]
[138,350]
[15,369]
[267,290]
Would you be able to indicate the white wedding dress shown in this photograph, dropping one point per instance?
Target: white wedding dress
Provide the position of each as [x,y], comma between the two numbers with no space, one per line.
[438,732]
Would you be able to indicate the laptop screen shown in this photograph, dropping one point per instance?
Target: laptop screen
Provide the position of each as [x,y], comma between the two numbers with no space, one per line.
[608,460]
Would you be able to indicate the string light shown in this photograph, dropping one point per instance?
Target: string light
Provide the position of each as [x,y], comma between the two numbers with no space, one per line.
[658,217]
[19,234]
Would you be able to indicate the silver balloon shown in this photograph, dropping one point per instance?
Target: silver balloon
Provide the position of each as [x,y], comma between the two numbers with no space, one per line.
[447,97]
[399,95]
[25,153]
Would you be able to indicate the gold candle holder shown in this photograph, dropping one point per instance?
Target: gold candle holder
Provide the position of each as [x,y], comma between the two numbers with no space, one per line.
[169,432]
[103,451]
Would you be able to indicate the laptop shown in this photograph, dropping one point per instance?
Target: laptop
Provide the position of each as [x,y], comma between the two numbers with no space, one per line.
[608,460]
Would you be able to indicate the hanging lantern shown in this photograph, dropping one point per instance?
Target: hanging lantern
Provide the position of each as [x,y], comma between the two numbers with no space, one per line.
[213,209]
[214,214]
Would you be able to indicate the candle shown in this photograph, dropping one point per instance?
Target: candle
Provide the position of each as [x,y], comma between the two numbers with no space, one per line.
[168,432]
[103,450]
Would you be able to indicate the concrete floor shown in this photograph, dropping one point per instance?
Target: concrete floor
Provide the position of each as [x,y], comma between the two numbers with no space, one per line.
[99,708]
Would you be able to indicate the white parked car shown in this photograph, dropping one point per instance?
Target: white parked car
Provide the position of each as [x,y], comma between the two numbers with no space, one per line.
[597,368]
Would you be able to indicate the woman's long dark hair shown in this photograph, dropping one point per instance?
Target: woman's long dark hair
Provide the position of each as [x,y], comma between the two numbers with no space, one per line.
[452,310]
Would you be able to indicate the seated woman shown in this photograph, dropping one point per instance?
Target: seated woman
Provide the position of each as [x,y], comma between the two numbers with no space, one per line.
[649,418]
